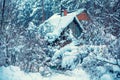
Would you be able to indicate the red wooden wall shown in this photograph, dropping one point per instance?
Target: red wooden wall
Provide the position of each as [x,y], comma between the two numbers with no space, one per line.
[83,16]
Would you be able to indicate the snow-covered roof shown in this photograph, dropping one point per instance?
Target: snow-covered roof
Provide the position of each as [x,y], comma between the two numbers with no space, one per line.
[58,24]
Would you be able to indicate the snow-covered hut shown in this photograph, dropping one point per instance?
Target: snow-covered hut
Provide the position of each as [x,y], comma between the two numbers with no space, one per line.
[58,28]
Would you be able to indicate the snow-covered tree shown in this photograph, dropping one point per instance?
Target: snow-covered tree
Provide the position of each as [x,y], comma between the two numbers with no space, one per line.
[20,43]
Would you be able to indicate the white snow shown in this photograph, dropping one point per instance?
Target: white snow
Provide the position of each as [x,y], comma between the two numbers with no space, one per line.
[14,73]
[31,26]
[109,37]
[34,10]
[62,52]
[69,61]
[116,68]
[17,48]
[101,69]
[106,77]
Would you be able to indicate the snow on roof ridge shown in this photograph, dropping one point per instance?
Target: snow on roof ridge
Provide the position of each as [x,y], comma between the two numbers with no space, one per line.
[79,11]
[75,13]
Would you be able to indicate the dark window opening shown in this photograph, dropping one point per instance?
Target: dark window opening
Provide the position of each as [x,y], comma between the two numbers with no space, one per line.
[76,29]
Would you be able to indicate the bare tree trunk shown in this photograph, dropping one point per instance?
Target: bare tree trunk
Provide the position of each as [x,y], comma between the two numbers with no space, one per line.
[4,33]
[43,18]
[3,9]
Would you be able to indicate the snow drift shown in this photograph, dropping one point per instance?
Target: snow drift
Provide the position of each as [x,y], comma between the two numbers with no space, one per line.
[14,73]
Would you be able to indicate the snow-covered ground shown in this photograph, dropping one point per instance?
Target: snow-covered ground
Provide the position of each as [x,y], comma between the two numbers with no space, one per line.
[14,73]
